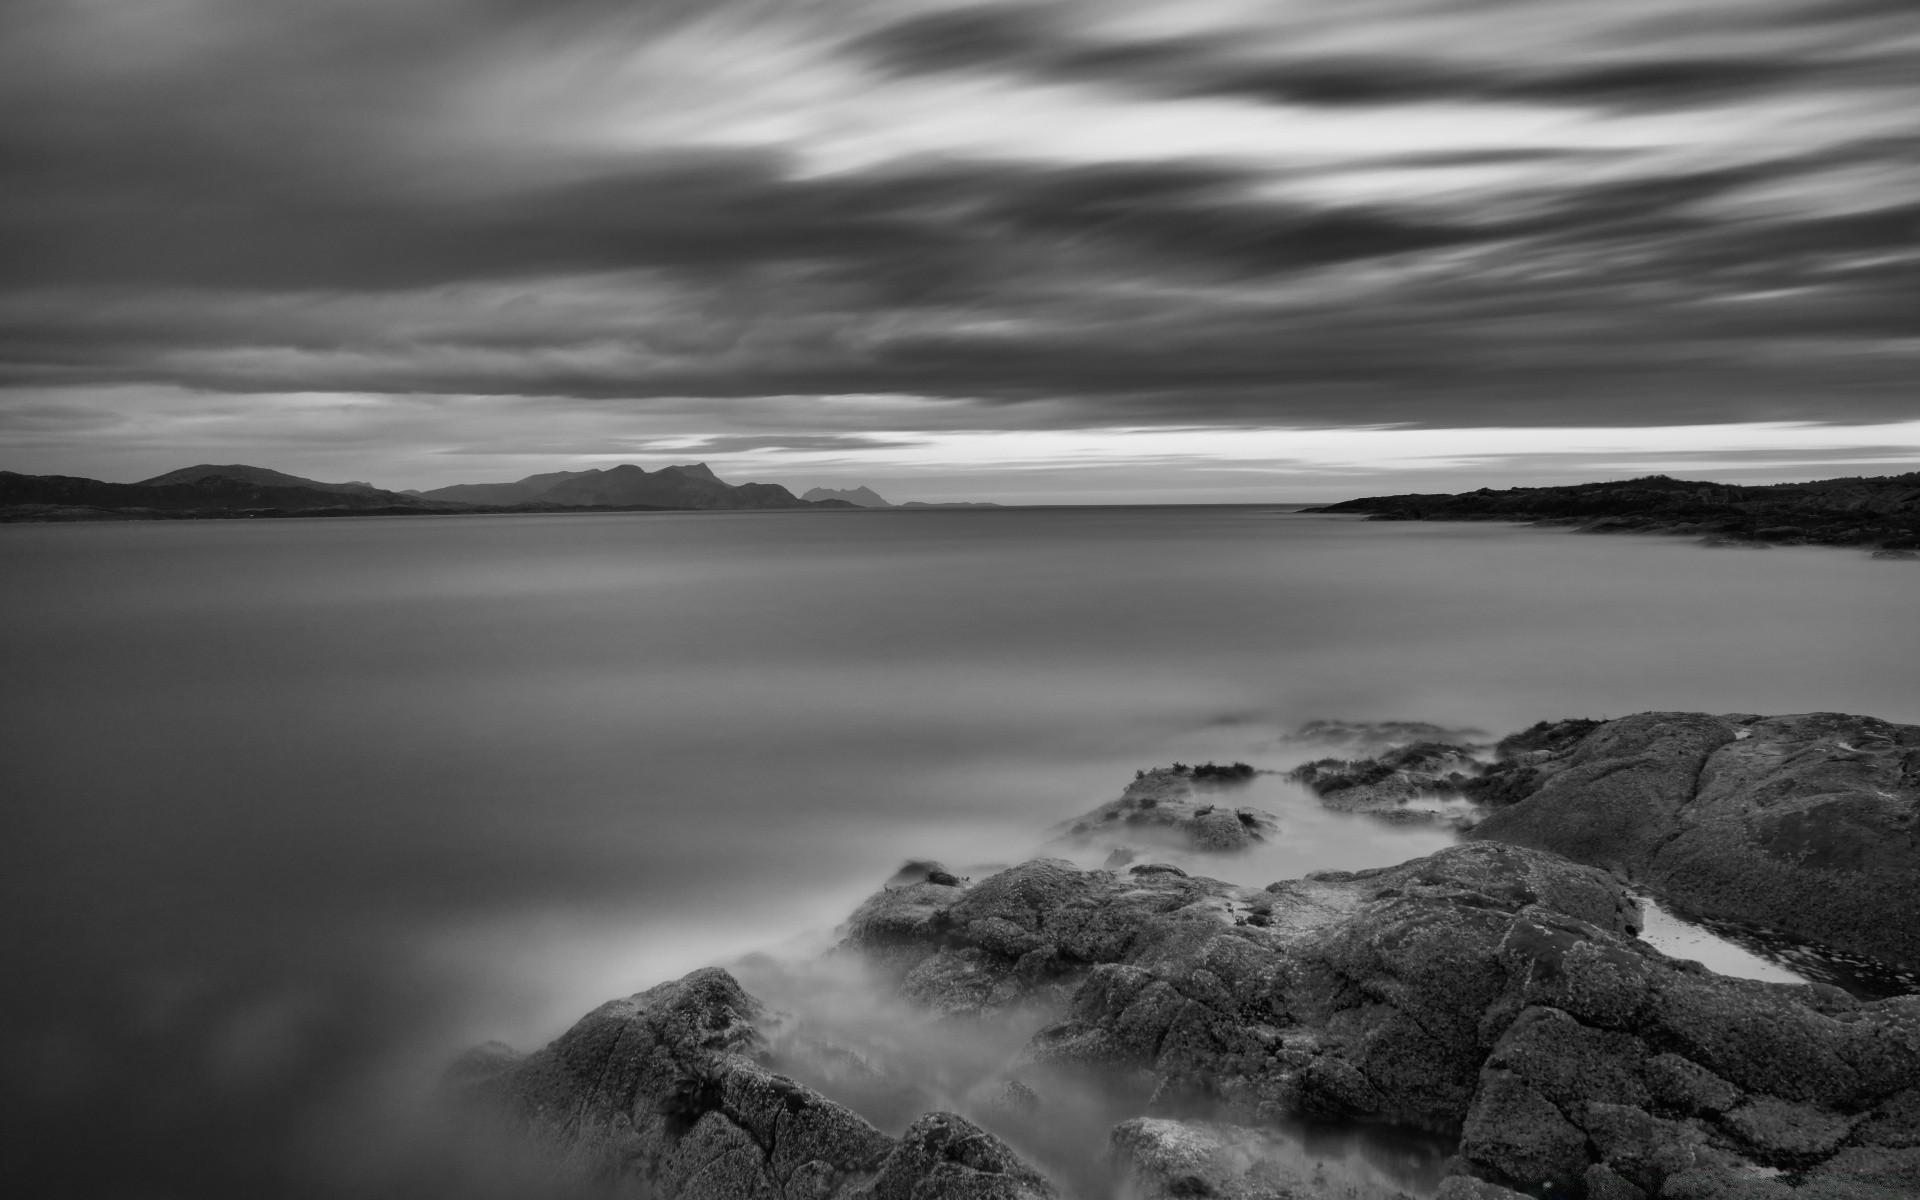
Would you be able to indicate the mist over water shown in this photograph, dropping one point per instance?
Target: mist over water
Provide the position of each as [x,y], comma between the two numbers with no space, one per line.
[296,810]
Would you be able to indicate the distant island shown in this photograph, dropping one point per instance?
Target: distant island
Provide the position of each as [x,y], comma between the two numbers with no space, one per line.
[237,490]
[1881,512]
[866,497]
[860,497]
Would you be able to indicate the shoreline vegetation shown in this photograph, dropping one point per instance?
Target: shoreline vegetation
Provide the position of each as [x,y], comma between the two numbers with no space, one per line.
[1880,513]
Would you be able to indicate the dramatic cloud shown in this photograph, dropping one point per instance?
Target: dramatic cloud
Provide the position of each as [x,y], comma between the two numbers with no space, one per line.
[459,228]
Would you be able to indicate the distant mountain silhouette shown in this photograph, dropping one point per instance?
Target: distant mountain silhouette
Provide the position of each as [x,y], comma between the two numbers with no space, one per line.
[862,496]
[195,491]
[519,492]
[691,486]
[240,490]
[258,476]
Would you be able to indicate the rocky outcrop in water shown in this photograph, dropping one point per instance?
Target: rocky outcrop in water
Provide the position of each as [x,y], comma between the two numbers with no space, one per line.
[1488,993]
[1178,806]
[1377,737]
[1422,783]
[1492,996]
[1808,824]
[669,1093]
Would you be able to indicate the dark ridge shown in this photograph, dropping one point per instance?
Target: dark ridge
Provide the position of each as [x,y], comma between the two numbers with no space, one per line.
[222,492]
[197,491]
[1881,512]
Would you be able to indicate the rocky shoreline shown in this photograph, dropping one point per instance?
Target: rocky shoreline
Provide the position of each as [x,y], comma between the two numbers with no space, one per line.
[1882,513]
[1492,997]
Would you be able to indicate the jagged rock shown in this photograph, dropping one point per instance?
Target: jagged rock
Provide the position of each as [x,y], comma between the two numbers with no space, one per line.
[668,1092]
[1422,782]
[1491,993]
[1178,806]
[1604,1183]
[1864,1173]
[1377,737]
[1808,824]
[945,1157]
[927,871]
[1012,1100]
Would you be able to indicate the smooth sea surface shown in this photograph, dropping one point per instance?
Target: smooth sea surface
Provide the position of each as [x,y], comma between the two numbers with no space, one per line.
[296,810]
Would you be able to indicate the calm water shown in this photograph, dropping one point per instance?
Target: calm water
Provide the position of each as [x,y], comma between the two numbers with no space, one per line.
[296,809]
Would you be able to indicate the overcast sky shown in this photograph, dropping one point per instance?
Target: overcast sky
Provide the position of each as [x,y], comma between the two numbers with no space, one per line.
[1186,249]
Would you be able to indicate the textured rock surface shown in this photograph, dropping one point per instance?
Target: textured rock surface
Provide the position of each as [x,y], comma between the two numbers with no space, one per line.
[1491,993]
[666,1092]
[1806,823]
[1425,782]
[1178,806]
[1377,737]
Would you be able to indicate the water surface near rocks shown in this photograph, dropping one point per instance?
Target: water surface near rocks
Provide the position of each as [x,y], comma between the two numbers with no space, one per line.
[296,809]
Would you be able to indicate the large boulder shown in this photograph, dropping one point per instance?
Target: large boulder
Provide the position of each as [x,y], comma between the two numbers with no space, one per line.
[1491,994]
[1808,824]
[670,1093]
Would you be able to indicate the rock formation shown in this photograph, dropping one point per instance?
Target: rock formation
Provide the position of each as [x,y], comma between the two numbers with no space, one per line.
[1489,993]
[669,1093]
[1808,824]
[1422,783]
[1377,737]
[1178,806]
[1493,996]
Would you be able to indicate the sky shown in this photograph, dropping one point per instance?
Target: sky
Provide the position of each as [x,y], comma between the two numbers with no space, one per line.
[1073,250]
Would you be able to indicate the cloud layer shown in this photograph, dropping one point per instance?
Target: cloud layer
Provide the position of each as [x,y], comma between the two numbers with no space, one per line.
[774,222]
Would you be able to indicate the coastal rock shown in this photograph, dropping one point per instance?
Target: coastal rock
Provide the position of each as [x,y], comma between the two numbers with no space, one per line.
[669,1092]
[1378,737]
[1488,993]
[1424,782]
[1178,806]
[1808,824]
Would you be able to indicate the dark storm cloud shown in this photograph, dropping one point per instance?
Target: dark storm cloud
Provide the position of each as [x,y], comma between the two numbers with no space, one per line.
[276,199]
[1017,39]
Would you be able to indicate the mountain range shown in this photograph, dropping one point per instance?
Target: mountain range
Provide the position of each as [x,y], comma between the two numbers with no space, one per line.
[238,490]
[625,486]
